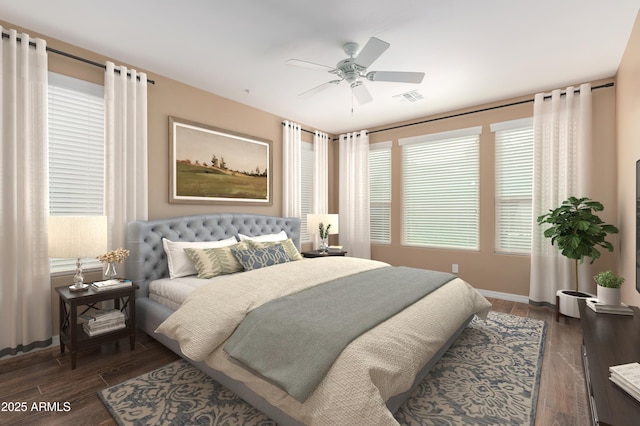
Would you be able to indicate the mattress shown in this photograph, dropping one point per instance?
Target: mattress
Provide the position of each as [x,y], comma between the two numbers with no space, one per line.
[173,292]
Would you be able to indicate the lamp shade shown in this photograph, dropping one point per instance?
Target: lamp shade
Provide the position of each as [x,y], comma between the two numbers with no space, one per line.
[77,236]
[314,221]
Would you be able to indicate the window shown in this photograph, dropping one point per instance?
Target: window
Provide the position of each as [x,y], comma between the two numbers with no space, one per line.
[440,193]
[306,189]
[76,153]
[380,192]
[514,185]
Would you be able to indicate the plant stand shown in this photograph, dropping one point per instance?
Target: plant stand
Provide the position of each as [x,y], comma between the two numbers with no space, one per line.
[567,303]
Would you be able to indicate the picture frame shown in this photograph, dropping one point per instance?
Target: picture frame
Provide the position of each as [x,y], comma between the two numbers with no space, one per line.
[209,165]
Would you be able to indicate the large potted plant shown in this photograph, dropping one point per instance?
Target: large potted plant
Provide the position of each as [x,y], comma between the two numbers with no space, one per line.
[578,233]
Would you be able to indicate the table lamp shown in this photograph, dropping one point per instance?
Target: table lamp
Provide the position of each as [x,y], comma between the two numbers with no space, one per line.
[323,225]
[77,237]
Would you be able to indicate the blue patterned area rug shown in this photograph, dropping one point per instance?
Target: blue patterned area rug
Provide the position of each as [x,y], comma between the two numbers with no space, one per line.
[490,376]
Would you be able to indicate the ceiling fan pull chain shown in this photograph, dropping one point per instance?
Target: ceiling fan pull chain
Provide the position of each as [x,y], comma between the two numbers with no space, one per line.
[352,96]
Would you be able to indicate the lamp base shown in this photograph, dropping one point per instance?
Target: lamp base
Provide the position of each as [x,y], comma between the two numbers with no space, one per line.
[79,287]
[78,279]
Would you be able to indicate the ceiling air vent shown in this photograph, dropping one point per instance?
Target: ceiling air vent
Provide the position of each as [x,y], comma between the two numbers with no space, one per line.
[412,96]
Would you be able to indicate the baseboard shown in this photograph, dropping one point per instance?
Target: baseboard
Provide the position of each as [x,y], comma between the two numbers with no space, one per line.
[505,296]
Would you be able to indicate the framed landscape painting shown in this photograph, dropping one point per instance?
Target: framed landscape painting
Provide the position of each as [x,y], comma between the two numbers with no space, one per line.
[209,165]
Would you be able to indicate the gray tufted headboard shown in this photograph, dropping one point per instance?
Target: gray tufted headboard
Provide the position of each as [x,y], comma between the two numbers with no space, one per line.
[147,260]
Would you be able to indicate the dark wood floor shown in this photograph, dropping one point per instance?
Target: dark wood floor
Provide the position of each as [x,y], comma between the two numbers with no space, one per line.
[562,399]
[46,376]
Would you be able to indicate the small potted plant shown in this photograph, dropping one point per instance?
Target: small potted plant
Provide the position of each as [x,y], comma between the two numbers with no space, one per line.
[608,287]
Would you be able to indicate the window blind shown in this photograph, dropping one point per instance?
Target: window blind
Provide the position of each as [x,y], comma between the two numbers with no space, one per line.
[440,204]
[514,185]
[380,192]
[76,153]
[306,188]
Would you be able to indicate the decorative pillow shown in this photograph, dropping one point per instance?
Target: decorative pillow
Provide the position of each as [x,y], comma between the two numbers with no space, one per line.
[261,257]
[211,262]
[179,263]
[280,236]
[287,244]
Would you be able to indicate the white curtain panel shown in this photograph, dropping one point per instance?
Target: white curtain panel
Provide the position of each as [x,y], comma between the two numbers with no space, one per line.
[562,132]
[354,194]
[291,164]
[25,302]
[126,178]
[320,197]
[320,200]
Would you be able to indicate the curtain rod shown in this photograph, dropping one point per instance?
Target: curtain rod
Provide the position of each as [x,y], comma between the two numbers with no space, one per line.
[526,101]
[72,56]
[304,130]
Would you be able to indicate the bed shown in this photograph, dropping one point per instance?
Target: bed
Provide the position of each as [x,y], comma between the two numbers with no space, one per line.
[367,382]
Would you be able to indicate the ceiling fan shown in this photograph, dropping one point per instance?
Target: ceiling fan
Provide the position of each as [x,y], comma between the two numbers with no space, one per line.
[354,68]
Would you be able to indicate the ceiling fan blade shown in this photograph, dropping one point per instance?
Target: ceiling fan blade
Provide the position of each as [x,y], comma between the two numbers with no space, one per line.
[396,76]
[307,64]
[319,88]
[371,51]
[361,93]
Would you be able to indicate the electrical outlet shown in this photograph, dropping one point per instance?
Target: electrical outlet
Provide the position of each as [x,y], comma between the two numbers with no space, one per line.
[454,268]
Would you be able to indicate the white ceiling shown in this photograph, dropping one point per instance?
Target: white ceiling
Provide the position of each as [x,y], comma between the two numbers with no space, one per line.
[472,52]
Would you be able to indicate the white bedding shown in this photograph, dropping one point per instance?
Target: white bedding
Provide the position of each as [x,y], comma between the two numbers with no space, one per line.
[376,366]
[173,292]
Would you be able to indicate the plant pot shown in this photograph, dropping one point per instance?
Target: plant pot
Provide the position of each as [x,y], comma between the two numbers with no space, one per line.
[568,302]
[609,296]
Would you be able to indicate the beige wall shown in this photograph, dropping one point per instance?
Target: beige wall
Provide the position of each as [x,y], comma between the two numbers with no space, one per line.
[486,269]
[628,128]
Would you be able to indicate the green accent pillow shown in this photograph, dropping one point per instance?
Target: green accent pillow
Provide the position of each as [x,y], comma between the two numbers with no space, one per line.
[211,262]
[261,257]
[288,245]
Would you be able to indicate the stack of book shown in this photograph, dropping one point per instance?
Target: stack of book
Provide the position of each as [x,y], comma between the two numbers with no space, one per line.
[98,321]
[598,307]
[627,376]
[110,284]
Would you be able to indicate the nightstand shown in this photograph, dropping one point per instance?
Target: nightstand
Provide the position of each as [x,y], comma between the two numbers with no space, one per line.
[71,332]
[317,253]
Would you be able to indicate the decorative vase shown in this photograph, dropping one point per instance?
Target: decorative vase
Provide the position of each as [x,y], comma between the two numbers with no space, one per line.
[110,273]
[609,296]
[323,245]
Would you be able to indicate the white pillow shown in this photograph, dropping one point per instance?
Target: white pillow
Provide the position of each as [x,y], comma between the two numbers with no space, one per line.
[179,263]
[280,236]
